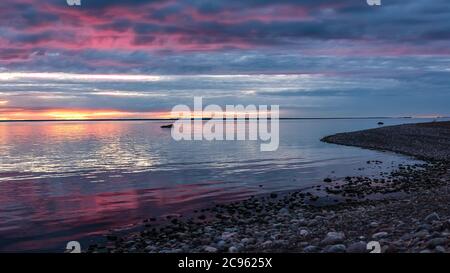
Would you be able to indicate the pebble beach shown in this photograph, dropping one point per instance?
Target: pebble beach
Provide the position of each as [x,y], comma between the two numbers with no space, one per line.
[405,210]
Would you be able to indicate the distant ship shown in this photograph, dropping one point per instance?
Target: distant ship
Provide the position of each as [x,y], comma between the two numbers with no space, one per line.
[167,126]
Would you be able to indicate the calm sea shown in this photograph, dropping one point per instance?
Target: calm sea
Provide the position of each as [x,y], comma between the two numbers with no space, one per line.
[63,181]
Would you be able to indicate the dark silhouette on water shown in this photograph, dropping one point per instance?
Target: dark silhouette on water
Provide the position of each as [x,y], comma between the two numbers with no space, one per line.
[167,126]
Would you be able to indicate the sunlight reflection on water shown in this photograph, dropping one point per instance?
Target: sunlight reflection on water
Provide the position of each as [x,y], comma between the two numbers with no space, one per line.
[62,181]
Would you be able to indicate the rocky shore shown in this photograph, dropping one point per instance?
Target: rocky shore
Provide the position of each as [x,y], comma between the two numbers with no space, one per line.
[406,210]
[429,141]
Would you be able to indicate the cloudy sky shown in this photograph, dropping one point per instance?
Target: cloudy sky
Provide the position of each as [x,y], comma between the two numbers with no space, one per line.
[139,58]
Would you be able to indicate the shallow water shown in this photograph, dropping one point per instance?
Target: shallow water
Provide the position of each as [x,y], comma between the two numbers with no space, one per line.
[63,181]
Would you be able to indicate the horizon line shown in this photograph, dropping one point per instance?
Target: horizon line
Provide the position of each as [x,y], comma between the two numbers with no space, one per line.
[174,119]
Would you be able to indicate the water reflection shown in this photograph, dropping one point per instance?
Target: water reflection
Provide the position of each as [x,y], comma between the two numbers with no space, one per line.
[62,181]
[67,147]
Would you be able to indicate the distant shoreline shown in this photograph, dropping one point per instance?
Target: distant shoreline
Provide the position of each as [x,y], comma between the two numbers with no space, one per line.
[429,141]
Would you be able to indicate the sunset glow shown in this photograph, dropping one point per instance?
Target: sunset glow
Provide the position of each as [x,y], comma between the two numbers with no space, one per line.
[86,114]
[74,114]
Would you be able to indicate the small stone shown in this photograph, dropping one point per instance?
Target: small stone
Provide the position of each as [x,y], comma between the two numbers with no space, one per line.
[233,249]
[432,217]
[221,243]
[421,234]
[340,248]
[327,180]
[210,249]
[312,223]
[380,235]
[311,249]
[439,249]
[424,227]
[333,238]
[304,233]
[279,243]
[149,248]
[358,247]
[227,235]
[273,195]
[283,211]
[391,249]
[266,244]
[436,242]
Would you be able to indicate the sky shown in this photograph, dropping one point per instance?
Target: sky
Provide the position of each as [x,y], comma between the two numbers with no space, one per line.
[140,58]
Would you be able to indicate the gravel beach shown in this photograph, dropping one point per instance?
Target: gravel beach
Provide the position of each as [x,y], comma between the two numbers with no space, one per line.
[404,211]
[429,141]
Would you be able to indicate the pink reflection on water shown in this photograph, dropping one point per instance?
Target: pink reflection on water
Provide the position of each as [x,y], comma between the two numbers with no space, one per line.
[40,221]
[71,181]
